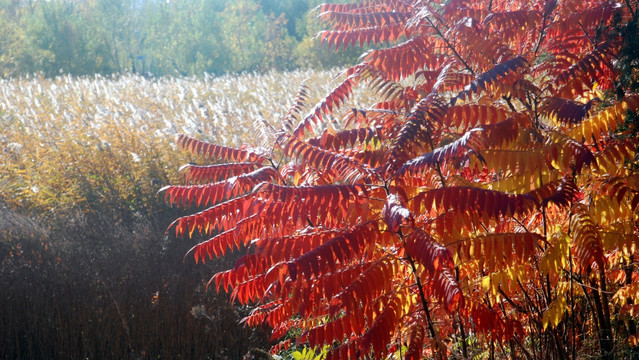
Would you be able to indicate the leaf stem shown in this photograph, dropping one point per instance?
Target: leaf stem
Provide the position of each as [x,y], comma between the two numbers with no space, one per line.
[519,308]
[542,35]
[572,300]
[530,301]
[592,41]
[450,46]
[632,11]
[418,282]
[438,167]
[422,296]
[461,324]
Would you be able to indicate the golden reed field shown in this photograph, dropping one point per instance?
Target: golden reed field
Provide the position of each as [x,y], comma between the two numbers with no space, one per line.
[73,141]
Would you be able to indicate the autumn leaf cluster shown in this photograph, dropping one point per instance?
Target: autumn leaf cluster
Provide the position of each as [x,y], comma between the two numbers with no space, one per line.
[485,204]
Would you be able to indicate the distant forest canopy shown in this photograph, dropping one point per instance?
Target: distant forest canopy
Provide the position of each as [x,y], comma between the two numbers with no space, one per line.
[152,37]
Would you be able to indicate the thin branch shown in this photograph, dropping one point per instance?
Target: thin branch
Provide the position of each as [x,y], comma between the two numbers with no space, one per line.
[523,348]
[461,324]
[450,46]
[530,301]
[521,224]
[420,288]
[632,11]
[519,308]
[582,284]
[510,104]
[422,296]
[437,163]
[592,41]
[542,35]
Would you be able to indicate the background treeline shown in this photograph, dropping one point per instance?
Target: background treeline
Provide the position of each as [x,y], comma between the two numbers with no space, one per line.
[159,38]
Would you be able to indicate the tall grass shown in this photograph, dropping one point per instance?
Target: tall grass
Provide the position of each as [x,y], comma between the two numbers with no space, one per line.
[73,142]
[85,268]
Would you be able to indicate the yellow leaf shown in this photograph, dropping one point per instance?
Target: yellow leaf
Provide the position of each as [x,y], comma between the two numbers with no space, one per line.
[556,255]
[627,292]
[628,243]
[555,312]
[485,284]
[297,177]
[604,121]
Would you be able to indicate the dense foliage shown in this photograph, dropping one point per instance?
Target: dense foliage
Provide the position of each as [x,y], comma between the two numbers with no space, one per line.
[485,205]
[157,37]
[85,268]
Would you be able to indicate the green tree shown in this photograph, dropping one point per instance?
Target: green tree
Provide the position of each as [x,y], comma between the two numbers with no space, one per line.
[17,53]
[243,26]
[159,37]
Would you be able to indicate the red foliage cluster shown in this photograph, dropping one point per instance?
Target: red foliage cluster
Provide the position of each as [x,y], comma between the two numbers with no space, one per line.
[489,192]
